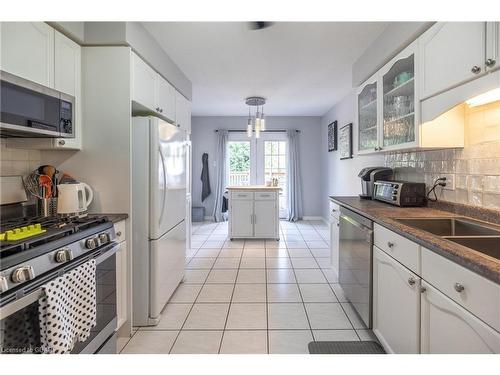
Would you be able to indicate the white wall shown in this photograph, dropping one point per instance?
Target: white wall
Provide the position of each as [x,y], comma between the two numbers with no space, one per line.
[340,177]
[203,138]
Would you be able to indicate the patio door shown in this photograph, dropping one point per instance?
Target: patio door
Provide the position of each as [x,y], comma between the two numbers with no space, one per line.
[252,161]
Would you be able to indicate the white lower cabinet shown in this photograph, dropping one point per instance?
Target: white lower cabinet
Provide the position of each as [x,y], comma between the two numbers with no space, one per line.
[449,328]
[396,304]
[121,283]
[264,219]
[241,218]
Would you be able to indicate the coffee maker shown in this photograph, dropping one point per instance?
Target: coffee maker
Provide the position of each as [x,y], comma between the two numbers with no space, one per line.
[368,177]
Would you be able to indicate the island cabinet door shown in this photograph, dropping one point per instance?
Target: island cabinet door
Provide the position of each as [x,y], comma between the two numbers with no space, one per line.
[265,219]
[241,217]
[396,305]
[447,328]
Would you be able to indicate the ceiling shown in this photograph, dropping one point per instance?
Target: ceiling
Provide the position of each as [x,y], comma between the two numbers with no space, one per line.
[302,68]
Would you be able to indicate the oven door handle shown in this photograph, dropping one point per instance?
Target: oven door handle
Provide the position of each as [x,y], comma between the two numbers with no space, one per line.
[35,295]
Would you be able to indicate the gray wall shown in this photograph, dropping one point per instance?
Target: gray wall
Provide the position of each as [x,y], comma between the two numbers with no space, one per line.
[204,140]
[393,40]
[340,177]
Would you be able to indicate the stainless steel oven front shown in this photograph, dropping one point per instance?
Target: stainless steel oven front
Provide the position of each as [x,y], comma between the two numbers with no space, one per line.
[19,325]
[355,262]
[28,109]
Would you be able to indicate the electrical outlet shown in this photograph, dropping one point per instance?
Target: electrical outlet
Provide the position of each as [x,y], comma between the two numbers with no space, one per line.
[450,181]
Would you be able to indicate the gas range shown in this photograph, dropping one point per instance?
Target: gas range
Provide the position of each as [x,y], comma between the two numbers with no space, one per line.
[32,247]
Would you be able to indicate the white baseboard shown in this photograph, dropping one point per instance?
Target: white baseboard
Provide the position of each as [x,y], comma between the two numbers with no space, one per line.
[312,218]
[209,218]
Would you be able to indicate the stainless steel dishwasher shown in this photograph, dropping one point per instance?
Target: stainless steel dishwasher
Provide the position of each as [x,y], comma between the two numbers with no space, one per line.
[355,262]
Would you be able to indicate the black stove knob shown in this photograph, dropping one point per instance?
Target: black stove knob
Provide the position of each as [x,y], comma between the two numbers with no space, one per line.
[103,238]
[63,255]
[23,274]
[91,243]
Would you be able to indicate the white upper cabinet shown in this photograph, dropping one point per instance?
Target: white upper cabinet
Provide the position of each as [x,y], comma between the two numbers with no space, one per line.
[144,84]
[27,51]
[182,112]
[396,304]
[368,116]
[492,45]
[448,328]
[166,99]
[153,93]
[67,79]
[451,53]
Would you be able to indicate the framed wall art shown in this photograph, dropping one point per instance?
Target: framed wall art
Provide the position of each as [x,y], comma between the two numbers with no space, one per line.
[345,142]
[332,136]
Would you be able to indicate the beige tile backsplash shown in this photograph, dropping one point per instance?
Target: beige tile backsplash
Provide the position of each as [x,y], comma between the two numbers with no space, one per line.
[17,161]
[473,172]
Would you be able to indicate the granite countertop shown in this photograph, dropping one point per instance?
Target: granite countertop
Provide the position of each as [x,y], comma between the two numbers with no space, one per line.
[384,214]
[254,187]
[115,218]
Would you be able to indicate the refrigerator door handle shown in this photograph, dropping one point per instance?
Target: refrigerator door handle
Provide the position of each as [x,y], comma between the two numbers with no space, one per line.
[164,184]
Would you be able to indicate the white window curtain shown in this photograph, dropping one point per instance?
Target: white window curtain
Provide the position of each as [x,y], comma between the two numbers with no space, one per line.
[294,187]
[220,176]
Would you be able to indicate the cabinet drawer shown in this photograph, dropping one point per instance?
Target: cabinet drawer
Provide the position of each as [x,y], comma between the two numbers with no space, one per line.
[334,211]
[403,250]
[261,196]
[470,290]
[242,195]
[120,231]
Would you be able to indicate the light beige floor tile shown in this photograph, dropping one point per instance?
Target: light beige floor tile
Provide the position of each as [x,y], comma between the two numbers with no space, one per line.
[255,244]
[172,317]
[335,335]
[273,244]
[278,263]
[201,263]
[210,244]
[339,293]
[327,316]
[300,253]
[234,244]
[195,276]
[226,263]
[247,316]
[214,293]
[309,276]
[254,253]
[222,276]
[325,263]
[331,275]
[186,293]
[197,342]
[317,244]
[321,253]
[276,253]
[289,342]
[283,293]
[249,293]
[244,342]
[287,316]
[317,293]
[150,342]
[251,276]
[304,263]
[207,316]
[230,253]
[353,317]
[280,276]
[207,253]
[253,262]
[296,245]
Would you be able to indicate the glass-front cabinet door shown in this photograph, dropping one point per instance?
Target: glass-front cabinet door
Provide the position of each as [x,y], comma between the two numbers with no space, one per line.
[368,118]
[398,108]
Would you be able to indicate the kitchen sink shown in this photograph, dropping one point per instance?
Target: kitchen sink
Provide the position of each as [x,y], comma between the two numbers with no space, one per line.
[452,226]
[486,245]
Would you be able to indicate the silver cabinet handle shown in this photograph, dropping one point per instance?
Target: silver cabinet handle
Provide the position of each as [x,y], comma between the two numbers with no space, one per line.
[476,69]
[423,289]
[490,63]
[390,244]
[119,233]
[61,142]
[411,280]
[254,219]
[459,287]
[338,224]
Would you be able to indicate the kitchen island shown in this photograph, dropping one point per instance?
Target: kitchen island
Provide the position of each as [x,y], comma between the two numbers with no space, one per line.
[254,212]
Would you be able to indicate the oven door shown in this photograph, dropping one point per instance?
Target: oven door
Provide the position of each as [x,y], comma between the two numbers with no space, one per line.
[19,325]
[28,109]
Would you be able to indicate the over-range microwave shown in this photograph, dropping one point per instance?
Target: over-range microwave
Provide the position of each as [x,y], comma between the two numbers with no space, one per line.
[28,109]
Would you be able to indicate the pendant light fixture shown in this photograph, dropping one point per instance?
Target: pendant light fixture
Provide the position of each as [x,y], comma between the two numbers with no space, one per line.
[257,122]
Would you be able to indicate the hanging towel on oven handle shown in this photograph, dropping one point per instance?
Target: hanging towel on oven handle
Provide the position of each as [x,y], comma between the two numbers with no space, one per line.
[67,310]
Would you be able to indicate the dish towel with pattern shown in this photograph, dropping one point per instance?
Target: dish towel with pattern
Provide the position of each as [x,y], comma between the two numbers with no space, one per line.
[67,310]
